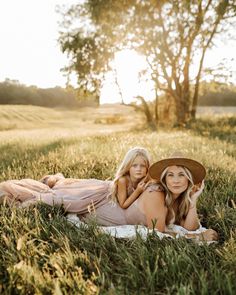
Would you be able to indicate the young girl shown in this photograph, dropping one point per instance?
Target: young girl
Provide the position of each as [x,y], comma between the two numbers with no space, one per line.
[131,177]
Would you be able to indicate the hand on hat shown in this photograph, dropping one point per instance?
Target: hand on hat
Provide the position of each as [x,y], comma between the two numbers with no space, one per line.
[196,191]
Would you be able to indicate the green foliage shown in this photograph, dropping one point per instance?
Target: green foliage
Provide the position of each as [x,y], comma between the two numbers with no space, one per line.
[222,127]
[226,97]
[217,93]
[42,253]
[85,47]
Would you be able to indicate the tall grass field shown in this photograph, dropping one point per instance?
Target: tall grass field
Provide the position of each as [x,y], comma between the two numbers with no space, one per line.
[42,253]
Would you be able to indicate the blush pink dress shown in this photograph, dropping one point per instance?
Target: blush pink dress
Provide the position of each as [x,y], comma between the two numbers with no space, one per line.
[86,197]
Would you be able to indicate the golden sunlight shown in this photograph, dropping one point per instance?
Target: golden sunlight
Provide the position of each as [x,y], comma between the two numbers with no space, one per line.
[123,82]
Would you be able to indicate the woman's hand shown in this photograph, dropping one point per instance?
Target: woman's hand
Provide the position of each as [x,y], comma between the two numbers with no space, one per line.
[209,235]
[196,191]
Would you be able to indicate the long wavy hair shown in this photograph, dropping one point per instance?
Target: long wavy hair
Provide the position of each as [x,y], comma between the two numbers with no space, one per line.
[183,200]
[124,167]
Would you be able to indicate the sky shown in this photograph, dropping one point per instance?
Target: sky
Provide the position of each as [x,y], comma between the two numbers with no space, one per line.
[30,53]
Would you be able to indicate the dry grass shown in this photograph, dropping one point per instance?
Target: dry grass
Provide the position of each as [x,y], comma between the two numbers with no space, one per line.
[106,118]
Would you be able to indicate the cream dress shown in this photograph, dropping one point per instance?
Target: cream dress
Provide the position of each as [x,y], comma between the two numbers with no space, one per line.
[89,198]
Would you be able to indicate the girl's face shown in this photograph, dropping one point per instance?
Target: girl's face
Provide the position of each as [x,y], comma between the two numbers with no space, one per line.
[138,168]
[176,180]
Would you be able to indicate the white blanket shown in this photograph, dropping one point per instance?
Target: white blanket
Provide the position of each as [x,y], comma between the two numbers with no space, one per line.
[131,231]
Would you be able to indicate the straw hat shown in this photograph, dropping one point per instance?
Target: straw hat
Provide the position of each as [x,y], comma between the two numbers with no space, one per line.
[177,159]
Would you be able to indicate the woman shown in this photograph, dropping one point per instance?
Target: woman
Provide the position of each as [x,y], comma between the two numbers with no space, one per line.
[183,182]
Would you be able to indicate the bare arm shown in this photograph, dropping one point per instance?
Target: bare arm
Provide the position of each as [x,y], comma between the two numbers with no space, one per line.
[153,205]
[191,221]
[122,195]
[208,235]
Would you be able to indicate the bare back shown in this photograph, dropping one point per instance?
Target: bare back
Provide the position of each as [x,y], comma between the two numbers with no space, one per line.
[152,203]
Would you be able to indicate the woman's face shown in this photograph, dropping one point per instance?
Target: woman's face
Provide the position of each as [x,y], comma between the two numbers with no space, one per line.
[176,180]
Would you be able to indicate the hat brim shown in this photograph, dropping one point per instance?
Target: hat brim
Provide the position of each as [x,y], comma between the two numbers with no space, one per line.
[198,171]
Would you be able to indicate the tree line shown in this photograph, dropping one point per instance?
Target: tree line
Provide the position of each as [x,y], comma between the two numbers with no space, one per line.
[217,94]
[12,92]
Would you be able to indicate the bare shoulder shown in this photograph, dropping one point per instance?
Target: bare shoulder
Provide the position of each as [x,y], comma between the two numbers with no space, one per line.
[122,180]
[152,204]
[154,186]
[149,198]
[153,195]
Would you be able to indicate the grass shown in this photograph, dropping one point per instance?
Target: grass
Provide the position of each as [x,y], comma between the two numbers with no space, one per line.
[41,253]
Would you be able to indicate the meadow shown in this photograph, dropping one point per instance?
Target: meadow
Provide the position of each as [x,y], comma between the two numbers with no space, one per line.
[42,253]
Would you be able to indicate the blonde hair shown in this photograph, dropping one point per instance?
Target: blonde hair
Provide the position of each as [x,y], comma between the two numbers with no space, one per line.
[184,200]
[124,167]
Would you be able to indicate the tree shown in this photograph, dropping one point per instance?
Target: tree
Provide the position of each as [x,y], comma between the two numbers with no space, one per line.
[173,36]
[86,49]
